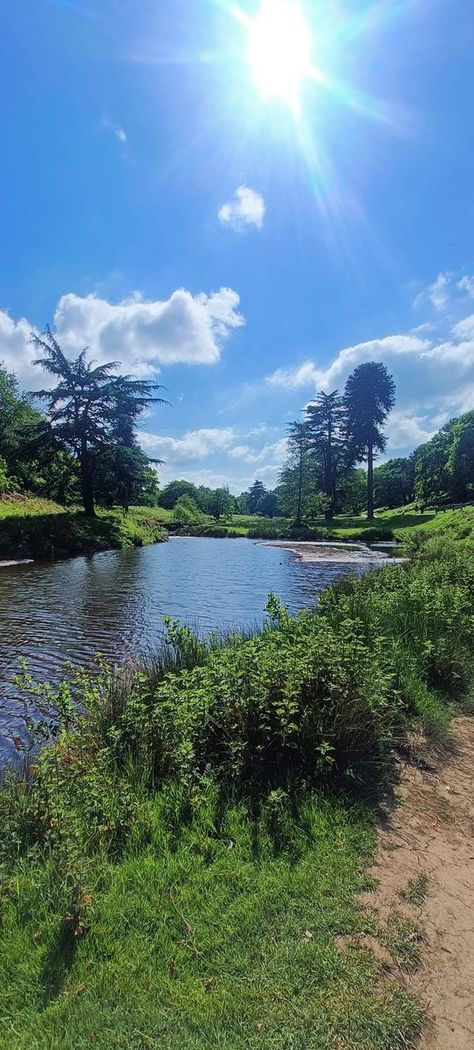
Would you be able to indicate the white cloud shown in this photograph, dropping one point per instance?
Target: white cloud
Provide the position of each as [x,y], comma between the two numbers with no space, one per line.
[466,284]
[140,335]
[465,329]
[437,293]
[191,446]
[116,129]
[246,209]
[408,431]
[433,368]
[143,335]
[248,454]
[308,374]
[16,354]
[228,463]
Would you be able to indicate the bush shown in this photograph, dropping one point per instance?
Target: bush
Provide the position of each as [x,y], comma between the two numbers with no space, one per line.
[266,532]
[305,532]
[66,533]
[217,532]
[187,511]
[372,535]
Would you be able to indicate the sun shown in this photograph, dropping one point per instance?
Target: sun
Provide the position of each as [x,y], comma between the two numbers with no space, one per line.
[279,50]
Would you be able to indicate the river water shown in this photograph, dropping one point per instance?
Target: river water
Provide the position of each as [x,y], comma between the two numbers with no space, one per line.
[65,612]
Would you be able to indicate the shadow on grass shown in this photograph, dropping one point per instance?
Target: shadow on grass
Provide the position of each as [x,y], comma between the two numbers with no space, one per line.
[59,961]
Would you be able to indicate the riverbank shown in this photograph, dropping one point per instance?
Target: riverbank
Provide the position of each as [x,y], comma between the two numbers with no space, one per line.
[401,524]
[42,530]
[181,867]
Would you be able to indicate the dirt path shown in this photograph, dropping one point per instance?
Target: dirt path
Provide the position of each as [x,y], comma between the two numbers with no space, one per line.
[425,875]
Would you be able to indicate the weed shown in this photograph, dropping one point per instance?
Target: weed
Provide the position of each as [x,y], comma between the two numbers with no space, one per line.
[416,890]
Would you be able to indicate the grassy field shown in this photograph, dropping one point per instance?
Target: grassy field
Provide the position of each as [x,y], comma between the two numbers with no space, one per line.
[182,869]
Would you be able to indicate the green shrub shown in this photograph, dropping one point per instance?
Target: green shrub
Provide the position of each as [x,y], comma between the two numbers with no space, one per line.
[304,532]
[374,535]
[266,532]
[217,532]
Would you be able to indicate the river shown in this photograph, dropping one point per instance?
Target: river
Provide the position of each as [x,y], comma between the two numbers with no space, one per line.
[67,611]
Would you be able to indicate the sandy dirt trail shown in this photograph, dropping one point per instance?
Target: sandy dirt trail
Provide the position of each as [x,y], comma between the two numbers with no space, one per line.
[428,841]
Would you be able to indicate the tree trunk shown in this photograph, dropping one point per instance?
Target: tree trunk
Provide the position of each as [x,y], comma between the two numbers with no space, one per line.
[300,491]
[329,475]
[370,484]
[86,481]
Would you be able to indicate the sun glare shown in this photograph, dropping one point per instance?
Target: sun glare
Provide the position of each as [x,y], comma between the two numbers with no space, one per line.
[279,50]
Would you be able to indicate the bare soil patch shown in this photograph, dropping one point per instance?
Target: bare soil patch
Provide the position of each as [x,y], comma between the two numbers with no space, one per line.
[424,899]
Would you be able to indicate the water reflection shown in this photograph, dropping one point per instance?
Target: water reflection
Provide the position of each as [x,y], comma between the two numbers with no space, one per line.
[114,603]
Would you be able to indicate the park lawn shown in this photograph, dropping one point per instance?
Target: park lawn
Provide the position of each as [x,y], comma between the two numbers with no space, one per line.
[404,522]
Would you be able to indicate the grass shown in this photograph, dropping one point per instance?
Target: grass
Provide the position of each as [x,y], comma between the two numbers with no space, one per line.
[403,938]
[180,868]
[211,937]
[416,890]
[33,528]
[25,507]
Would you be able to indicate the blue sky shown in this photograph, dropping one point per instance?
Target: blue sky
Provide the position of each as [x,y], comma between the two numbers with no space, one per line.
[156,207]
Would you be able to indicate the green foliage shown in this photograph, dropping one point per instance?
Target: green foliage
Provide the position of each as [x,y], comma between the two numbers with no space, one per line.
[217,532]
[255,496]
[327,437]
[221,504]
[174,491]
[368,398]
[6,484]
[444,466]
[32,465]
[92,412]
[187,511]
[40,529]
[394,483]
[295,479]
